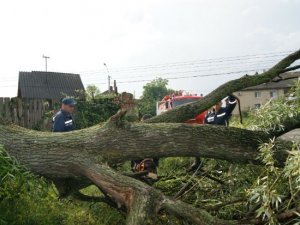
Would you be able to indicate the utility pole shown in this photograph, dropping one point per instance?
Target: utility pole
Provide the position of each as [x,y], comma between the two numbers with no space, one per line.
[46,59]
[108,77]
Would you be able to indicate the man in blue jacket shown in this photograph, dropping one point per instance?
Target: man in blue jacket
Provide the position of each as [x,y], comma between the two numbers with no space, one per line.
[221,115]
[63,120]
[217,116]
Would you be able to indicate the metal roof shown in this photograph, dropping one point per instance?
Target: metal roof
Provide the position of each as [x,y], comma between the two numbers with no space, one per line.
[288,81]
[48,85]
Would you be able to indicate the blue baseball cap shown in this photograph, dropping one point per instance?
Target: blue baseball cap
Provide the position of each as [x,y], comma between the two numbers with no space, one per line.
[69,101]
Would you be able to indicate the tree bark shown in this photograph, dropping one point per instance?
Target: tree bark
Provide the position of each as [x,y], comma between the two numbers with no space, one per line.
[49,154]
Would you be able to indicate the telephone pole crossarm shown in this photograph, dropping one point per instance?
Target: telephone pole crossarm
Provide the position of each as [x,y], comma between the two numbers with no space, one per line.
[46,61]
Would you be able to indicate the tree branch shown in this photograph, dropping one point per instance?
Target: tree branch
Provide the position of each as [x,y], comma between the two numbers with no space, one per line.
[290,69]
[282,217]
[47,153]
[187,111]
[143,202]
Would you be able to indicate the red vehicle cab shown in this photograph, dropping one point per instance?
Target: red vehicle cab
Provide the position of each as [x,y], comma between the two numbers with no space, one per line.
[170,102]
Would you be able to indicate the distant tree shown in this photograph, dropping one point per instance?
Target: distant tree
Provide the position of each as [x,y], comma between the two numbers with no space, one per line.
[153,91]
[92,92]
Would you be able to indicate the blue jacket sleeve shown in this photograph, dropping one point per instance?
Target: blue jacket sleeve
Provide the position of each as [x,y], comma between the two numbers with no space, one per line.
[232,101]
[205,118]
[59,124]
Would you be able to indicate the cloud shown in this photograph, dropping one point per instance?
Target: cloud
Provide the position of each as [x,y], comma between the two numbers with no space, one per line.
[251,11]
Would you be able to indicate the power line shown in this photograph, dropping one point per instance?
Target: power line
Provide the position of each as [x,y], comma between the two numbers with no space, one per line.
[181,77]
[193,62]
[192,76]
[205,75]
[212,65]
[189,66]
[210,62]
[250,66]
[205,68]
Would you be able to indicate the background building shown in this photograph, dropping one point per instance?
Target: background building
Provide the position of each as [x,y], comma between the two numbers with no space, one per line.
[51,86]
[254,97]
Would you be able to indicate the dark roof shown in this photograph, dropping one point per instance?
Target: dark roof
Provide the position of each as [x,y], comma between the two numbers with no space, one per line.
[48,85]
[288,82]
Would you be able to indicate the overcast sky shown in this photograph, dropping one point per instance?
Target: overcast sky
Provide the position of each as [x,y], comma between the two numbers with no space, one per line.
[174,36]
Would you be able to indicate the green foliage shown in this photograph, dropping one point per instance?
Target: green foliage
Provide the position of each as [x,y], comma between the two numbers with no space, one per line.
[276,189]
[295,93]
[90,112]
[8,166]
[26,199]
[226,200]
[271,115]
[292,170]
[23,197]
[153,92]
[266,191]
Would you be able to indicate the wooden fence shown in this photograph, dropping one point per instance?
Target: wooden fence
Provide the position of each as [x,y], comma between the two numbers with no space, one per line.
[23,112]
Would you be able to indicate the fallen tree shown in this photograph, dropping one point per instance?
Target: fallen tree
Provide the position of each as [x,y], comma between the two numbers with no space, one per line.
[73,160]
[185,112]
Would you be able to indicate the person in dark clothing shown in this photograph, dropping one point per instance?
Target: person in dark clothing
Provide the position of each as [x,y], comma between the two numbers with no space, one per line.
[63,120]
[217,116]
[221,115]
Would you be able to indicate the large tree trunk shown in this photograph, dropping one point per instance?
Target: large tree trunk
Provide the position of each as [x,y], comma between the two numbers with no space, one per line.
[50,154]
[79,157]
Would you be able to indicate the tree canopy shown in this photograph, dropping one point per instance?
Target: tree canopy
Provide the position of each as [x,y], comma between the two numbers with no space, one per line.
[153,92]
[92,92]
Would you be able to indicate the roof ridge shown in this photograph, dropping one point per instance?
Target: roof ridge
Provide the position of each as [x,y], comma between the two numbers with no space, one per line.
[53,72]
[50,85]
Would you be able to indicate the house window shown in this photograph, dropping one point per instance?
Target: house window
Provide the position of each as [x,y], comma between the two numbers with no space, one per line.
[257,94]
[273,94]
[257,106]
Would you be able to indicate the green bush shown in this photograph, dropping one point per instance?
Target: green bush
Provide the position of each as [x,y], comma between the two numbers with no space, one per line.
[276,189]
[91,112]
[270,116]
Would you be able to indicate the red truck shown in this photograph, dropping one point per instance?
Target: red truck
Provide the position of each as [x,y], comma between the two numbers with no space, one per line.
[173,101]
